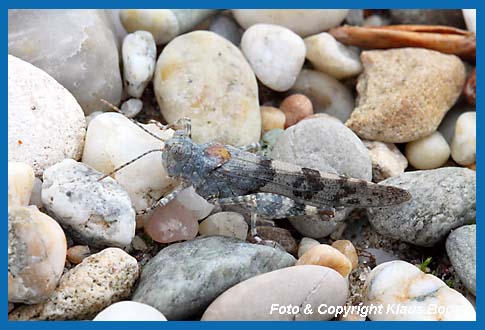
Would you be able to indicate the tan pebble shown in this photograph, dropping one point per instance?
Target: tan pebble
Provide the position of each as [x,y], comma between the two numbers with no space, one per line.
[296,107]
[348,249]
[472,167]
[428,152]
[272,118]
[77,253]
[327,256]
[20,183]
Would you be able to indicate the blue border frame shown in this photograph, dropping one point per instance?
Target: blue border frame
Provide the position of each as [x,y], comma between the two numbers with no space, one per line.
[229,4]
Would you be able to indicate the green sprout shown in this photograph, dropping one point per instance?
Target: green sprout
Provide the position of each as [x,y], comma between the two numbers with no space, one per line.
[424,265]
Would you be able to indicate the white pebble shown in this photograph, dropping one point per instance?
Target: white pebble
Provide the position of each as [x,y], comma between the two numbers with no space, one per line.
[139,55]
[20,184]
[463,144]
[195,203]
[470,16]
[387,160]
[230,224]
[131,107]
[36,196]
[331,57]
[429,152]
[276,54]
[129,311]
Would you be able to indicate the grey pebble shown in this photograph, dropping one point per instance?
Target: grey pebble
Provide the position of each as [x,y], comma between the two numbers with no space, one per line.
[226,27]
[461,246]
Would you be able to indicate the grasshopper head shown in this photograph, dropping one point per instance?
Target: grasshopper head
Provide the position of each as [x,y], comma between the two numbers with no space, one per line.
[177,153]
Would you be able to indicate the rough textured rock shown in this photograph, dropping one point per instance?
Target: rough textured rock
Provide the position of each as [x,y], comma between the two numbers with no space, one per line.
[183,279]
[36,101]
[260,297]
[405,93]
[303,22]
[100,280]
[461,246]
[203,76]
[97,213]
[20,184]
[443,199]
[36,255]
[76,47]
[387,160]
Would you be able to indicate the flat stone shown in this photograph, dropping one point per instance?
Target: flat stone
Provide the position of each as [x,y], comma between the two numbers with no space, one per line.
[461,246]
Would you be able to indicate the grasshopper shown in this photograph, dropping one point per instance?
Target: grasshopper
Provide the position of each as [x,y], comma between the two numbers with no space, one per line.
[227,175]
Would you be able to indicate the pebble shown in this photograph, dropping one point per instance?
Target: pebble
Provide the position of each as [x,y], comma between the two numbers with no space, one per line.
[268,296]
[163,24]
[139,54]
[184,278]
[36,196]
[327,256]
[275,53]
[407,294]
[97,282]
[229,224]
[146,180]
[171,223]
[461,247]
[203,76]
[272,118]
[97,213]
[129,311]
[470,16]
[268,141]
[196,204]
[278,235]
[348,250]
[303,22]
[328,95]
[387,160]
[331,57]
[132,107]
[306,244]
[20,184]
[36,255]
[36,101]
[404,93]
[463,144]
[443,199]
[296,107]
[429,152]
[77,48]
[226,27]
[319,226]
[427,17]
[77,253]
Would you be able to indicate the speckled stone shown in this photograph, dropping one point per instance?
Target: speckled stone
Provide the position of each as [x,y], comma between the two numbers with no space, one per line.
[461,246]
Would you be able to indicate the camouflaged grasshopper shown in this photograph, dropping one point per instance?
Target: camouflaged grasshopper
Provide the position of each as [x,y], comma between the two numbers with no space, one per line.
[227,175]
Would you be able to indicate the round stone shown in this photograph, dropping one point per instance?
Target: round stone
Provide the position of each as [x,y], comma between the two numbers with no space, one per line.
[229,224]
[130,108]
[226,27]
[306,244]
[129,311]
[272,118]
[327,256]
[296,107]
[461,247]
[20,184]
[348,249]
[464,142]
[77,253]
[428,152]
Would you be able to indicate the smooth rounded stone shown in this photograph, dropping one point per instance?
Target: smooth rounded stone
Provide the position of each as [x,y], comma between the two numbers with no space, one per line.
[443,199]
[129,311]
[171,223]
[91,116]
[76,47]
[272,118]
[226,27]
[470,16]
[146,180]
[303,22]
[447,126]
[407,294]
[203,76]
[196,204]
[20,184]
[36,196]
[97,282]
[405,93]
[184,278]
[315,226]
[163,24]
[36,102]
[347,249]
[278,235]
[332,57]
[355,17]
[327,256]
[387,160]
[130,108]
[376,20]
[275,53]
[260,297]
[461,247]
[97,213]
[464,142]
[229,224]
[328,95]
[77,253]
[429,152]
[306,244]
[139,54]
[36,255]
[296,107]
[427,17]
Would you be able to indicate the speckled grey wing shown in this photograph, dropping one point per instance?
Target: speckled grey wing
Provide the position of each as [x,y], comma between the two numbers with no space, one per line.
[311,186]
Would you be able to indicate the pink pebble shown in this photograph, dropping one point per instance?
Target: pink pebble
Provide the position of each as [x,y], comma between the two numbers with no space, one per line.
[172,222]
